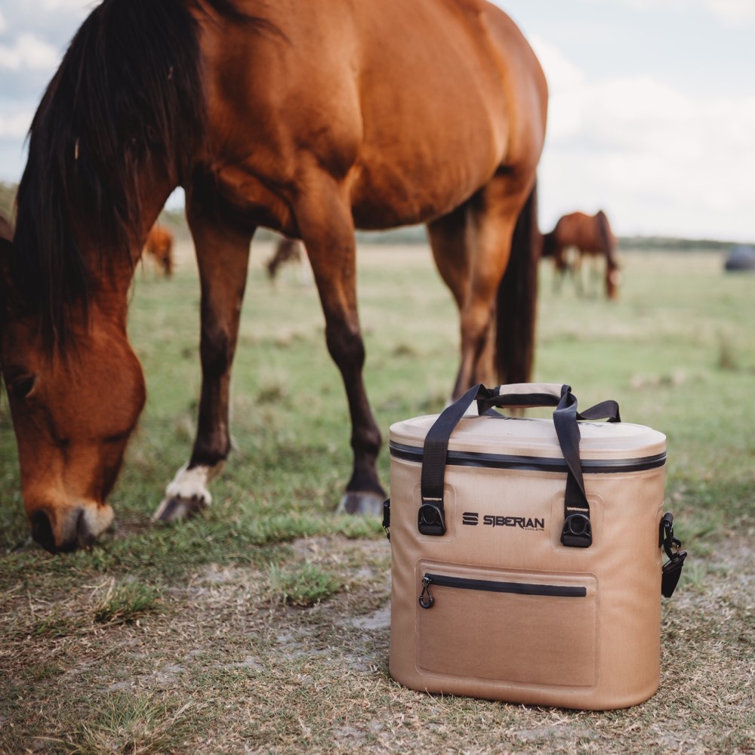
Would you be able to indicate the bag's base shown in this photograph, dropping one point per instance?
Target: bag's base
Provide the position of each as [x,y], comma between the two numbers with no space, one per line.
[522,694]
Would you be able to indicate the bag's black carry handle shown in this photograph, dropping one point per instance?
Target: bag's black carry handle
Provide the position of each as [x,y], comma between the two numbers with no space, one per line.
[577,531]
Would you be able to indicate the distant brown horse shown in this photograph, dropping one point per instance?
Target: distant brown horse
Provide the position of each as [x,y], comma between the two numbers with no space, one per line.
[159,245]
[586,235]
[308,118]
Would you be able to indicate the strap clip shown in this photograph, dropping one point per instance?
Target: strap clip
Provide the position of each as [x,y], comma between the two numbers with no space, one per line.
[577,531]
[387,517]
[672,569]
[430,519]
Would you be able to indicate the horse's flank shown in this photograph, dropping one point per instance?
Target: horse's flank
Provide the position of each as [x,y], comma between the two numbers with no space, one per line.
[340,114]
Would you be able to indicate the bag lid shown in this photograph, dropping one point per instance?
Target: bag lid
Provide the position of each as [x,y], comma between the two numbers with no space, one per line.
[521,436]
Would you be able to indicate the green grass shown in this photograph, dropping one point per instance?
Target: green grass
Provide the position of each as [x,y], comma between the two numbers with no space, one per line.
[263,624]
[302,584]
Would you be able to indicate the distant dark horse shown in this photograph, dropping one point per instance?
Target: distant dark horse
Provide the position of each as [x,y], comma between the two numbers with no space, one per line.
[585,235]
[309,118]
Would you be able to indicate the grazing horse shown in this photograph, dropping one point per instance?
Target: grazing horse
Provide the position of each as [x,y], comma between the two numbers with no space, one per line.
[286,251]
[159,245]
[589,235]
[308,118]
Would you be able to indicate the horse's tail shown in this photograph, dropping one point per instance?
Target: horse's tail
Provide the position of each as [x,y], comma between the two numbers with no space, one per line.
[517,298]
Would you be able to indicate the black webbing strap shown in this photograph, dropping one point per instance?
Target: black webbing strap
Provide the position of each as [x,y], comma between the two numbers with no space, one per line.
[431,518]
[577,531]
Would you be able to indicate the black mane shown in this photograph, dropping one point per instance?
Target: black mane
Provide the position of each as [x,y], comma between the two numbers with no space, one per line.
[128,91]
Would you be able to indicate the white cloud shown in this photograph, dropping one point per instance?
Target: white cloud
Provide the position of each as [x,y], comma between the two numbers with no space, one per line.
[28,52]
[15,124]
[68,5]
[732,12]
[3,23]
[657,160]
[560,72]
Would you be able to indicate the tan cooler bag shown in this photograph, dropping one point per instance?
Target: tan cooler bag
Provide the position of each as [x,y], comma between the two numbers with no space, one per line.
[527,553]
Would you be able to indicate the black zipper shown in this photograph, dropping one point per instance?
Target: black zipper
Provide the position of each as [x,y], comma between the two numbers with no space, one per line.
[530,463]
[426,600]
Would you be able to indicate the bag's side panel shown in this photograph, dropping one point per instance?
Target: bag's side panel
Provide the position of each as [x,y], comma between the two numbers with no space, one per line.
[628,561]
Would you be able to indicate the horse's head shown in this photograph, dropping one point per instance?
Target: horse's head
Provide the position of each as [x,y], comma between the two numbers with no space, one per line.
[73,411]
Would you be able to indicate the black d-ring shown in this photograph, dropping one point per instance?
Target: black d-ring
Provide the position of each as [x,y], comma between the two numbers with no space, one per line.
[577,531]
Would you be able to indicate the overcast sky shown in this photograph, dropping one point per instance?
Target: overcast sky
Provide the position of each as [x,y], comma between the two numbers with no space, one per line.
[652,111]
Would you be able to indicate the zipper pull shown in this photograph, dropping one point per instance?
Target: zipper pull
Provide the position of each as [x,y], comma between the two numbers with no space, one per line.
[425,599]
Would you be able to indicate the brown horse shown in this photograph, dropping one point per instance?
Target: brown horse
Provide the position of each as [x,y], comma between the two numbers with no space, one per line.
[308,118]
[159,245]
[588,235]
[287,251]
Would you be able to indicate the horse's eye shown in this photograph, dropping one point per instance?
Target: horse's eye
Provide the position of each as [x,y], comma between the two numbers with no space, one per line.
[22,387]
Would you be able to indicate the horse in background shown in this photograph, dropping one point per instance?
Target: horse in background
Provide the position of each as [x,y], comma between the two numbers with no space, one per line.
[578,235]
[287,252]
[159,246]
[310,119]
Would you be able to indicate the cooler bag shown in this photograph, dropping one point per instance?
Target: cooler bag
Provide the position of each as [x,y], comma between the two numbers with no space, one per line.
[527,553]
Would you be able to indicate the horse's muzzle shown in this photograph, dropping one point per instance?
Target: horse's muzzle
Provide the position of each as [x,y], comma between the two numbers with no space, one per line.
[74,531]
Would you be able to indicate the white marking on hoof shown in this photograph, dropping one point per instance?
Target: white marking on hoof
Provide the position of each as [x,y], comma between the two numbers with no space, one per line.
[187,493]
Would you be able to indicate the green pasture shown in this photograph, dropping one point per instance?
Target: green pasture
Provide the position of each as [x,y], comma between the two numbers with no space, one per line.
[262,625]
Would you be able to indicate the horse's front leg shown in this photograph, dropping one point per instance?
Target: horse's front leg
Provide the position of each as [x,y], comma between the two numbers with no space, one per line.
[223,258]
[326,226]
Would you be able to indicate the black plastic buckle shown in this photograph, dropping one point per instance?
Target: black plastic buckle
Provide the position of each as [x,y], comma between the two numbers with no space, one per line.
[577,531]
[387,517]
[672,570]
[430,519]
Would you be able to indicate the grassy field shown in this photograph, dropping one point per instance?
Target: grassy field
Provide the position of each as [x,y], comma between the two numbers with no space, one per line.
[263,625]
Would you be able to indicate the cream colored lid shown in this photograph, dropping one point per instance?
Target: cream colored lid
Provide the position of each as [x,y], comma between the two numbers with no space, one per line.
[535,437]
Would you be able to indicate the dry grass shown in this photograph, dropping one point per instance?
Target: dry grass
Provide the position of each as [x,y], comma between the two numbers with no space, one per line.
[227,667]
[264,626]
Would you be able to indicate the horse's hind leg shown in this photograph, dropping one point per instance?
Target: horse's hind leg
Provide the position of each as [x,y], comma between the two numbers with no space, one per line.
[324,219]
[222,256]
[472,246]
[451,239]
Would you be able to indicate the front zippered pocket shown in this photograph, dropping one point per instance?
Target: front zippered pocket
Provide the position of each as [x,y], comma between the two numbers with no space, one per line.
[487,585]
[510,626]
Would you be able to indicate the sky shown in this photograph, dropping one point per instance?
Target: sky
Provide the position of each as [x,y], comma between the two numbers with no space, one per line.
[651,112]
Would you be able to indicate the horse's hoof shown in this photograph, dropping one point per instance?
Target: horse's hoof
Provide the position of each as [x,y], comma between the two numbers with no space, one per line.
[177,508]
[362,503]
[187,494]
